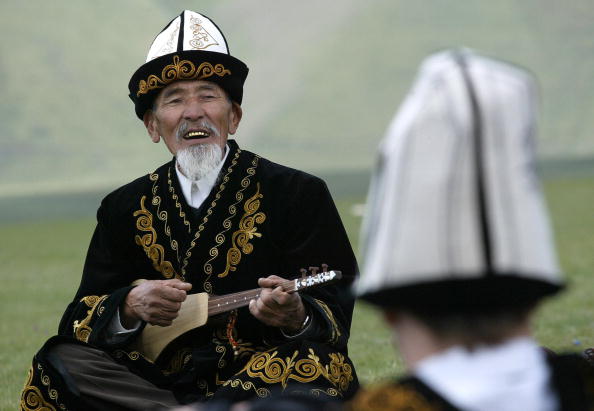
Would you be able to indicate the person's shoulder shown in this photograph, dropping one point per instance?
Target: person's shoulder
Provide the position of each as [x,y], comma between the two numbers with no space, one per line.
[278,173]
[571,364]
[128,195]
[573,380]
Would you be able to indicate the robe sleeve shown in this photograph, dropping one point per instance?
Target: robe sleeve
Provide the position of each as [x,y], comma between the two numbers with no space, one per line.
[104,286]
[313,236]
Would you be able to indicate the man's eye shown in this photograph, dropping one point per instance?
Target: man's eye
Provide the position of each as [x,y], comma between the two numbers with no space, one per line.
[174,101]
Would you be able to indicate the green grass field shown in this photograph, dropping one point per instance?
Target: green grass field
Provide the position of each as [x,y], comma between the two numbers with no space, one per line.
[42,261]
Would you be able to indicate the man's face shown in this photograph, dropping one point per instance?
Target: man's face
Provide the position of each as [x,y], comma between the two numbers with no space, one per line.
[192,112]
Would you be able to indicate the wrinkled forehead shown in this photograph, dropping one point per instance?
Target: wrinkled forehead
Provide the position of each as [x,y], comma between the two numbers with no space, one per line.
[190,86]
[186,86]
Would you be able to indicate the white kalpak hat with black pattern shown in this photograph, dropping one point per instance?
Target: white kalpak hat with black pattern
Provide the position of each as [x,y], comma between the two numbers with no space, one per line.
[455,212]
[190,47]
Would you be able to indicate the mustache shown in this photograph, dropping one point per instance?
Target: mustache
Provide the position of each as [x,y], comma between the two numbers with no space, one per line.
[205,124]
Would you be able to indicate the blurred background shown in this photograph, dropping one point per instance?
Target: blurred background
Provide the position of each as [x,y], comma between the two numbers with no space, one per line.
[326,77]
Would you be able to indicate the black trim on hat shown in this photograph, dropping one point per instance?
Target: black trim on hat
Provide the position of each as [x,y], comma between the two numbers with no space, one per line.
[478,140]
[220,31]
[231,80]
[180,37]
[165,28]
[501,290]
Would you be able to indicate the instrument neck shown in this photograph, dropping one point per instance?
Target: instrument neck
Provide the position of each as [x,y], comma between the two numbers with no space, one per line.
[228,302]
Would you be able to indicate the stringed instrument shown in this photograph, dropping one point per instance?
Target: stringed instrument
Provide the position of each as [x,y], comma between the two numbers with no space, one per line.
[197,308]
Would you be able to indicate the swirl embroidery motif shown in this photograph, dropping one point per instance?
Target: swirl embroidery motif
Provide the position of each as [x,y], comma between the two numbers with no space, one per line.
[154,251]
[162,214]
[201,38]
[82,331]
[335,329]
[180,70]
[32,398]
[178,205]
[247,386]
[207,285]
[246,232]
[132,355]
[273,370]
[220,237]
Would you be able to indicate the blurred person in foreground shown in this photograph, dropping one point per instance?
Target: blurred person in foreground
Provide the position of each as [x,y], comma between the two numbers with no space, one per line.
[458,249]
[215,219]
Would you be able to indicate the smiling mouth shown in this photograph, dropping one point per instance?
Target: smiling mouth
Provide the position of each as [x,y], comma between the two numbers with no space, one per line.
[196,135]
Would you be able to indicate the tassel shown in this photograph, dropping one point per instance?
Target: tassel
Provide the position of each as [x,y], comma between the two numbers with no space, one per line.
[230,326]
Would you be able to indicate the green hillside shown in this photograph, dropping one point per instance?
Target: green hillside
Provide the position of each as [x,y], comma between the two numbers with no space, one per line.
[325,78]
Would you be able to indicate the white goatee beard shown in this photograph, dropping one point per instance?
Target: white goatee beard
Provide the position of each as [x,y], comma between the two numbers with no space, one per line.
[198,160]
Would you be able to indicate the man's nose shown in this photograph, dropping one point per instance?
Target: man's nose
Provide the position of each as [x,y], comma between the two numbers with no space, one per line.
[193,109]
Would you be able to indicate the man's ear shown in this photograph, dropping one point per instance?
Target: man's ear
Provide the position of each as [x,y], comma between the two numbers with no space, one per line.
[235,117]
[150,122]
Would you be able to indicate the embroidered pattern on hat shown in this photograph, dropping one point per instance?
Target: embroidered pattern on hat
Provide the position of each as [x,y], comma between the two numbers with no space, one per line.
[201,37]
[169,47]
[180,70]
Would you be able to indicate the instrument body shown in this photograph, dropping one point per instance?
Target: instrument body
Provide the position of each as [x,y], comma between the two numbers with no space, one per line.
[197,308]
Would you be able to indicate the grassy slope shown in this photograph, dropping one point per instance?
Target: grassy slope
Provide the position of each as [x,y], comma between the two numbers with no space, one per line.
[319,95]
[42,262]
[355,77]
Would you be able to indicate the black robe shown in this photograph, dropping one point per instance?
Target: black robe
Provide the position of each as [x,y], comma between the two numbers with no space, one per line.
[261,218]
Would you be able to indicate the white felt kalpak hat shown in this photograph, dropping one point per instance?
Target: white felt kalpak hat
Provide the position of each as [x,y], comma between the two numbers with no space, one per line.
[190,47]
[455,215]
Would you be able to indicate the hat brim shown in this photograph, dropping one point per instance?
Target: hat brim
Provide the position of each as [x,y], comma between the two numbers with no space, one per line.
[225,70]
[464,294]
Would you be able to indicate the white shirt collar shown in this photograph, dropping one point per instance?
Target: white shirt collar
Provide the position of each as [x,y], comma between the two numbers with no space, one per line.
[205,184]
[511,376]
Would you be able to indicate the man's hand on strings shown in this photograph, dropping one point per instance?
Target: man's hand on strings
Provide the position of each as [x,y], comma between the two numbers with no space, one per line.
[155,301]
[277,308]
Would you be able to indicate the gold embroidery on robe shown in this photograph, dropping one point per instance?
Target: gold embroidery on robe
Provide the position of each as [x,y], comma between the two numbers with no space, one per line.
[82,331]
[163,215]
[180,70]
[331,392]
[32,398]
[246,386]
[203,387]
[247,231]
[175,198]
[335,334]
[220,237]
[271,369]
[148,241]
[207,286]
[133,355]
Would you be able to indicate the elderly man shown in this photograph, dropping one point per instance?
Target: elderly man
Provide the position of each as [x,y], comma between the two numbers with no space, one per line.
[458,251]
[215,219]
